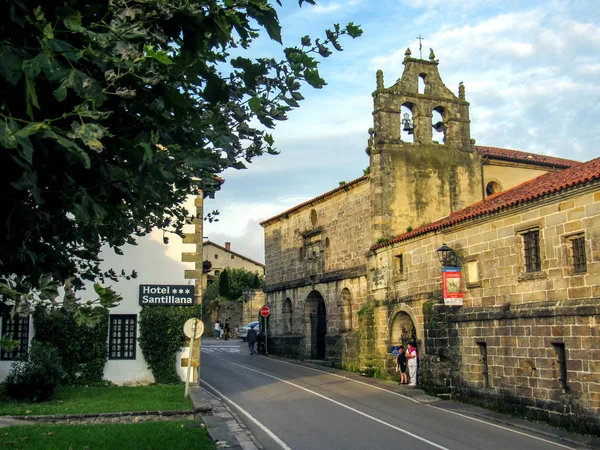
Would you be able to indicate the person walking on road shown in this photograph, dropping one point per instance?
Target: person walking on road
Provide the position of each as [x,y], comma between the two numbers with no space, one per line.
[217,330]
[401,363]
[251,339]
[412,356]
[227,329]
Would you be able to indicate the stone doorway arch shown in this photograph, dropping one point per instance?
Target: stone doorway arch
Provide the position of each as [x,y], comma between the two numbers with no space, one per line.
[402,329]
[316,321]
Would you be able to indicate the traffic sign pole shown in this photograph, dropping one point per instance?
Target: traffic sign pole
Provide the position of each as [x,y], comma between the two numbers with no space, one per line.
[264,312]
[189,367]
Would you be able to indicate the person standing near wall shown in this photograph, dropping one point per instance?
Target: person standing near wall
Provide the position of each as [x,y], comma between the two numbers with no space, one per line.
[401,363]
[412,356]
[217,329]
[251,339]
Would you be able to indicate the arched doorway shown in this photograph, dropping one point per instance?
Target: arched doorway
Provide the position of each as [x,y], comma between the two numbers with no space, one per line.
[316,315]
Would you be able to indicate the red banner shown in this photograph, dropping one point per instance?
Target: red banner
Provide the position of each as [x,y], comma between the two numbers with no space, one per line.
[452,286]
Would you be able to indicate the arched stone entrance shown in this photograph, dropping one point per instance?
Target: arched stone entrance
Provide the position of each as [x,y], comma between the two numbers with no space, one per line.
[402,330]
[316,321]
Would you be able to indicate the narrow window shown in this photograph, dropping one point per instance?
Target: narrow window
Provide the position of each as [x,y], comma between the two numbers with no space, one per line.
[19,330]
[313,218]
[579,260]
[484,361]
[559,348]
[232,256]
[400,264]
[216,256]
[531,244]
[122,336]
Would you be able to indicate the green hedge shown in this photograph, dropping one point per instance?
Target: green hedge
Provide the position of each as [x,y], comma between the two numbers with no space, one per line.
[161,337]
[82,349]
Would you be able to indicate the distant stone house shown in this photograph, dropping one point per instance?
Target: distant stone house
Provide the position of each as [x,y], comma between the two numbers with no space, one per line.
[355,271]
[223,258]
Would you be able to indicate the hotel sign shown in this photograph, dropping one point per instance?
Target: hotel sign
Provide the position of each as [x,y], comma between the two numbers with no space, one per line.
[452,286]
[167,295]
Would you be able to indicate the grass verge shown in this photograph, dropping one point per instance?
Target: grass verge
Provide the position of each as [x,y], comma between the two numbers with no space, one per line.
[102,399]
[175,435]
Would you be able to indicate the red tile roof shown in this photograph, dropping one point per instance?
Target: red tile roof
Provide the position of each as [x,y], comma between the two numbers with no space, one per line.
[518,156]
[541,186]
[316,199]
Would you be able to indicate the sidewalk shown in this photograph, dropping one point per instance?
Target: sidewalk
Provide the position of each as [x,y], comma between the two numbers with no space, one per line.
[224,427]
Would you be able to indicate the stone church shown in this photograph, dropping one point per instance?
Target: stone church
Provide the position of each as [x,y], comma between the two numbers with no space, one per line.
[360,269]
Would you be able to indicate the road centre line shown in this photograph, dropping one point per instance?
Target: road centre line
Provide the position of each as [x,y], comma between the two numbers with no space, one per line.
[375,419]
[502,427]
[433,406]
[249,416]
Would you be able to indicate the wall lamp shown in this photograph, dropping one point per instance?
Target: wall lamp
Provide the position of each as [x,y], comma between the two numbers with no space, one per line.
[448,257]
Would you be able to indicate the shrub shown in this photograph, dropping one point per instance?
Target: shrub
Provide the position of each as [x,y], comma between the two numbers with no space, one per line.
[82,349]
[161,337]
[37,377]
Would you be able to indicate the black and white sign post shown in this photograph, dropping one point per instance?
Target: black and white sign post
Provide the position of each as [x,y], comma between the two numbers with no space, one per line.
[193,329]
[265,311]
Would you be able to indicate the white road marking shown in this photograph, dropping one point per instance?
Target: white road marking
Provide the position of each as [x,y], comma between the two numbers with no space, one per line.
[350,379]
[501,427]
[221,350]
[247,414]
[433,406]
[375,419]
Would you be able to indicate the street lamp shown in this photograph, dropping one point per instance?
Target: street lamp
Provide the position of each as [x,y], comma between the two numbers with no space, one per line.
[448,257]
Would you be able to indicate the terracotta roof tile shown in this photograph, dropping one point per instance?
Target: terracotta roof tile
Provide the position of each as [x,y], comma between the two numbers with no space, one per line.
[541,186]
[518,156]
[320,197]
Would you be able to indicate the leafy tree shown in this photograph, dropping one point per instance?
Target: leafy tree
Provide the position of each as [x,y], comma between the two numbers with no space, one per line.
[224,284]
[112,113]
[238,280]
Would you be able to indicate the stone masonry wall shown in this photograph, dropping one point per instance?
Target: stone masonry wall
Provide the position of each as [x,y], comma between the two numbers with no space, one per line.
[330,235]
[520,318]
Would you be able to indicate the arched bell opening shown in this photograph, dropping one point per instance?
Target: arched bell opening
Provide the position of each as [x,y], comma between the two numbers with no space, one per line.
[407,124]
[438,124]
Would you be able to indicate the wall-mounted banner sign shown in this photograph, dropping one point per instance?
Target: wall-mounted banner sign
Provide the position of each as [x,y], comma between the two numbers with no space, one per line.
[167,295]
[452,286]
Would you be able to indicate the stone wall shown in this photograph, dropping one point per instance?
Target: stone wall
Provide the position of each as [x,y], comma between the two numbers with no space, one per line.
[330,235]
[521,319]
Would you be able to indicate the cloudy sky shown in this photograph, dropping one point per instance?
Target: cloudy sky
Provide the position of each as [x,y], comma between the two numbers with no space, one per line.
[530,69]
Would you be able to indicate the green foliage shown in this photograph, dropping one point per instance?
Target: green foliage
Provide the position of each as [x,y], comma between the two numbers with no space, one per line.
[341,183]
[224,284]
[161,337]
[172,434]
[409,229]
[367,170]
[381,240]
[37,377]
[239,280]
[98,399]
[82,349]
[113,113]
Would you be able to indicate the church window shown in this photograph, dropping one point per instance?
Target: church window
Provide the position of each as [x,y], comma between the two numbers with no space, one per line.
[492,188]
[400,263]
[313,217]
[531,247]
[327,242]
[122,336]
[18,328]
[578,250]
[232,256]
[216,256]
[561,356]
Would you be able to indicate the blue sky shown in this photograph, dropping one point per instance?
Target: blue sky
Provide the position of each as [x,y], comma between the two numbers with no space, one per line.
[530,69]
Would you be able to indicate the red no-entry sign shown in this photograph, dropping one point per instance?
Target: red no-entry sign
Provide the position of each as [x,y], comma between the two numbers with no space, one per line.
[265,311]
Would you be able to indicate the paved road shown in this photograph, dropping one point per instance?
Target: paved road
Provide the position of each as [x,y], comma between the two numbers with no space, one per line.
[290,406]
